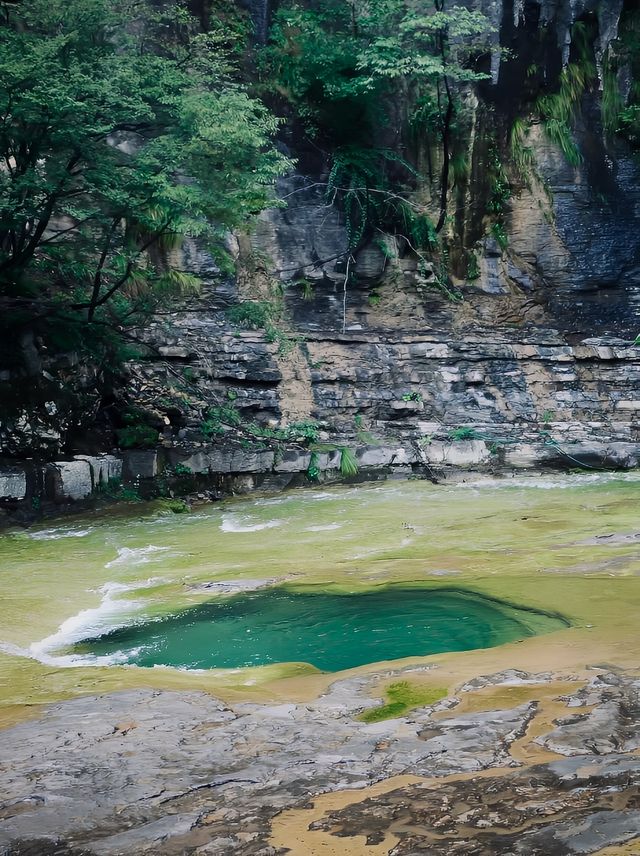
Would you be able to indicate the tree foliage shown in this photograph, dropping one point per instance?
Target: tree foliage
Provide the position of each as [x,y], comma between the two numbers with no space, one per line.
[121,131]
[340,50]
[344,63]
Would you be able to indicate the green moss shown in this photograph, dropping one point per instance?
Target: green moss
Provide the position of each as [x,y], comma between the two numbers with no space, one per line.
[115,490]
[403,696]
[178,506]
[252,314]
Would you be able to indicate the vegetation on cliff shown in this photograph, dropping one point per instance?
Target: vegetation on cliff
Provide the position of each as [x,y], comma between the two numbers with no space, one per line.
[366,81]
[122,130]
[126,127]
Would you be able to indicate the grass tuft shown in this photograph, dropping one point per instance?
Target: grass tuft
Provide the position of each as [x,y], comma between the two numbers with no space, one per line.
[348,463]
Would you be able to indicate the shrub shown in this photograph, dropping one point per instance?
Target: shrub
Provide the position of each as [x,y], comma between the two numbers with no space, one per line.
[137,437]
[252,314]
[463,433]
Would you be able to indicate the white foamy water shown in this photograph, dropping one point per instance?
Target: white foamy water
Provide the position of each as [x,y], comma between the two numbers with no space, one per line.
[58,532]
[108,615]
[136,555]
[279,501]
[559,482]
[241,523]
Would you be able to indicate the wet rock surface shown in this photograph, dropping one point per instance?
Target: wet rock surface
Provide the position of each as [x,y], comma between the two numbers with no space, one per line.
[554,810]
[610,723]
[172,773]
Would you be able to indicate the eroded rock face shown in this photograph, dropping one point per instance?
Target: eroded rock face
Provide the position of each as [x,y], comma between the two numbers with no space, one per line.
[166,773]
[558,809]
[583,241]
[536,364]
[613,726]
[13,483]
[537,361]
[399,390]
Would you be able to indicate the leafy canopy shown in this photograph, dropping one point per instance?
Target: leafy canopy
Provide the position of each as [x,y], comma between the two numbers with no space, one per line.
[356,51]
[121,130]
[345,65]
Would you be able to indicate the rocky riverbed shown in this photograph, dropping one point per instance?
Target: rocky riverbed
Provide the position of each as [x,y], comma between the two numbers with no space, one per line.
[515,763]
[532,747]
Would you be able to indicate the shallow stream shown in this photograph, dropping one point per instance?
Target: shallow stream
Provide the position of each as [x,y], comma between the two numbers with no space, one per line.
[408,553]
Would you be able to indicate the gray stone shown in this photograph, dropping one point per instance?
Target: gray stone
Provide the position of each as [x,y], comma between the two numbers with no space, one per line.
[253,462]
[164,772]
[329,460]
[198,462]
[401,408]
[306,239]
[612,727]
[233,586]
[115,776]
[139,464]
[175,352]
[104,468]
[384,456]
[13,484]
[459,453]
[69,480]
[292,461]
[524,455]
[370,263]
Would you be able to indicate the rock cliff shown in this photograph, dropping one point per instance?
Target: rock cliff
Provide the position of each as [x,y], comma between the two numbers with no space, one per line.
[523,356]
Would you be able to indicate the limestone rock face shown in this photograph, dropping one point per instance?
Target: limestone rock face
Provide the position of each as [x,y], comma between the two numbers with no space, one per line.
[104,468]
[526,362]
[79,478]
[307,239]
[585,244]
[395,388]
[69,480]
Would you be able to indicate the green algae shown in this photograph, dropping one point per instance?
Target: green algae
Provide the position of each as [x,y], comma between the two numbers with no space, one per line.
[403,696]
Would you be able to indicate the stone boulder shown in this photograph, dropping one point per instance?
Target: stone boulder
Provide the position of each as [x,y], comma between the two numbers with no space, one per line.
[13,484]
[68,480]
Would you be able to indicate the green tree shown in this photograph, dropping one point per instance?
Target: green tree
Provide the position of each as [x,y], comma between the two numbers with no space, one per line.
[346,63]
[121,130]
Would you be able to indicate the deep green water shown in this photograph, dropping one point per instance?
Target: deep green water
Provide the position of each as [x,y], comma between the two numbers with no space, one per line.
[329,631]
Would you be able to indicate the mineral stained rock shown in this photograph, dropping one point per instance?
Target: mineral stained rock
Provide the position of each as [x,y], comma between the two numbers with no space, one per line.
[149,772]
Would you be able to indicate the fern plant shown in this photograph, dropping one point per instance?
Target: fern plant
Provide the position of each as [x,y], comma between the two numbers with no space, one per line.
[360,181]
[558,110]
[521,153]
[342,65]
[612,101]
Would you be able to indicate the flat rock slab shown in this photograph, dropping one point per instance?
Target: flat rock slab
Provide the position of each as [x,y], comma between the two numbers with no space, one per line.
[144,772]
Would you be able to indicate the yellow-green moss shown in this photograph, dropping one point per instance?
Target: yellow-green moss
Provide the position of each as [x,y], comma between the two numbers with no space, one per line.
[403,696]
